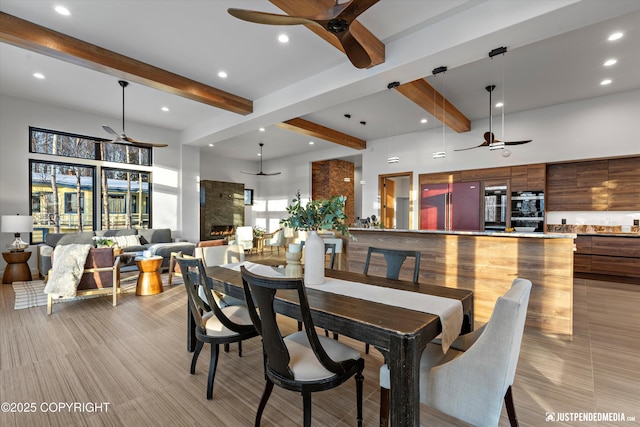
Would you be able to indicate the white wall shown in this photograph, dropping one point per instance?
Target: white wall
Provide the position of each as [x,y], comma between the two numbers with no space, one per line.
[16,115]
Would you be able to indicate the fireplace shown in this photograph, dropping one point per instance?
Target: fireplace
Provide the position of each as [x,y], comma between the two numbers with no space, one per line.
[222,231]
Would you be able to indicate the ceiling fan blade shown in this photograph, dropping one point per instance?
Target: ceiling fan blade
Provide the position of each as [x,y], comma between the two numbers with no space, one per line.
[111,131]
[353,9]
[484,144]
[143,144]
[269,18]
[517,142]
[356,53]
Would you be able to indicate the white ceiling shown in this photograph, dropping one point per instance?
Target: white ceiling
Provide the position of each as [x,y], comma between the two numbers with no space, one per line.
[556,51]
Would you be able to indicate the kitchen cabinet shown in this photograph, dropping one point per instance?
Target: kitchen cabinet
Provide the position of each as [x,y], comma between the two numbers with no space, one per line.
[608,254]
[600,185]
[450,206]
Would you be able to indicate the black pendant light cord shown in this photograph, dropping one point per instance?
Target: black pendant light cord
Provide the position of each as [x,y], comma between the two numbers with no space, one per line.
[123,84]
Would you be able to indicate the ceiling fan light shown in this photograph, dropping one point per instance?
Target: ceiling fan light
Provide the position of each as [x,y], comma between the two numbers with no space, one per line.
[439,155]
[496,146]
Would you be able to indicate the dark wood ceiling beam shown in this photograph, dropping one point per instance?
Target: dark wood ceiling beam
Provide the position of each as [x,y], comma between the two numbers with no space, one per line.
[315,130]
[423,94]
[373,46]
[33,37]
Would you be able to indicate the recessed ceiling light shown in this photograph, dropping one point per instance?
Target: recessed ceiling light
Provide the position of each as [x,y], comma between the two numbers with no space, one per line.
[615,36]
[38,76]
[499,104]
[211,145]
[62,10]
[259,154]
[605,82]
[610,62]
[165,109]
[261,129]
[283,38]
[222,74]
[311,142]
[423,121]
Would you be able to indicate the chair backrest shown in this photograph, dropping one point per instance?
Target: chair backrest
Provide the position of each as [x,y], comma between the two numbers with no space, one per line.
[332,254]
[244,233]
[277,239]
[472,386]
[394,259]
[195,277]
[260,294]
[218,255]
[96,258]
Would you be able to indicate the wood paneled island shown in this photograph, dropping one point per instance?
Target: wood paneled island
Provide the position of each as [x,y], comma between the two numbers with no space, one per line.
[485,263]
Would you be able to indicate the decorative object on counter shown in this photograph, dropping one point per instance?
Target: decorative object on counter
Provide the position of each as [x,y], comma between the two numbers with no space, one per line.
[293,255]
[317,215]
[17,224]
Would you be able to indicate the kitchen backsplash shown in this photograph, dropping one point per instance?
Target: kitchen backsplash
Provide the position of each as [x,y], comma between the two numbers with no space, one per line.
[593,222]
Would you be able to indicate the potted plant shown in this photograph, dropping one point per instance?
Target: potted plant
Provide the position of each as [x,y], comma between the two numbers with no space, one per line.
[325,214]
[103,242]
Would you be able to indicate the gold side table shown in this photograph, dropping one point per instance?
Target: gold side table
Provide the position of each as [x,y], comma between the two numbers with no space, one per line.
[149,279]
[17,269]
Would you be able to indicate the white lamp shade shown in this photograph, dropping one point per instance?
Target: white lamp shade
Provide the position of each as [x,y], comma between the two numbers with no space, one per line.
[17,223]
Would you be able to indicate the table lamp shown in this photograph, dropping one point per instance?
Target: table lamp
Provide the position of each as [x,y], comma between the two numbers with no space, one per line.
[17,224]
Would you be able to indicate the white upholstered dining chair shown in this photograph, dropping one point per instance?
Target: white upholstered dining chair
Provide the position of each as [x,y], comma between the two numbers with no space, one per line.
[470,381]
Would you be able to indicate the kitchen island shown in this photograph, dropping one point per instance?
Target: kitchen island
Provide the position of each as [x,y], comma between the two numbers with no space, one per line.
[486,263]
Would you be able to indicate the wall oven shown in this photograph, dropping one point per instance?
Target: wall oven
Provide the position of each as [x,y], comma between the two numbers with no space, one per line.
[527,210]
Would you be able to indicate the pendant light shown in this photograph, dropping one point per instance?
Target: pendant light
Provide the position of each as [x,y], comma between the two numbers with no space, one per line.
[440,154]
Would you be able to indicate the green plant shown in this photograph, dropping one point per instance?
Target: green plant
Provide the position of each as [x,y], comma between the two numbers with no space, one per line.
[104,241]
[258,231]
[323,214]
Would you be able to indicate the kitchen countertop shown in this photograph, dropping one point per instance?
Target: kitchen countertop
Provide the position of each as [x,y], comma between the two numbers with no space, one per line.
[475,233]
[609,234]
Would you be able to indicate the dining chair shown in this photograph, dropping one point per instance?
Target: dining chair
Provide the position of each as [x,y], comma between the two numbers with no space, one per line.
[214,324]
[275,239]
[302,361]
[394,259]
[472,378]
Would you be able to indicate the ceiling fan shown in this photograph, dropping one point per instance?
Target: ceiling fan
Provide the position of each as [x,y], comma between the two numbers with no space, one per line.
[335,20]
[123,138]
[489,138]
[262,173]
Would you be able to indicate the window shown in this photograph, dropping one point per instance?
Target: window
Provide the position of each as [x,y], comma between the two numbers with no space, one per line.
[54,196]
[68,197]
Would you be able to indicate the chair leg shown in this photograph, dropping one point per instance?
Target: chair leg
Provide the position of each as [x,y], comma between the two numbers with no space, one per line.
[306,404]
[239,348]
[299,326]
[263,401]
[359,381]
[384,407]
[335,336]
[213,363]
[196,353]
[366,349]
[226,348]
[511,409]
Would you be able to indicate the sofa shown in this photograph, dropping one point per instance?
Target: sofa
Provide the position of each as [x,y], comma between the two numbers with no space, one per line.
[156,240]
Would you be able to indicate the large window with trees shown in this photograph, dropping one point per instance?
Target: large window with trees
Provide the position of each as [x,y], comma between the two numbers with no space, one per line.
[84,195]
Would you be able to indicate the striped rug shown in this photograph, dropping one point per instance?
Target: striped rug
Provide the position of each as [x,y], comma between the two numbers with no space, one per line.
[31,294]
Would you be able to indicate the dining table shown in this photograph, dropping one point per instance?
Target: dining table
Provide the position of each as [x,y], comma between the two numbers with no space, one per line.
[399,333]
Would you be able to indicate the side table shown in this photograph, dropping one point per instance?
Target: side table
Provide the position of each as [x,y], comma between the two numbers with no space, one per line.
[149,279]
[17,269]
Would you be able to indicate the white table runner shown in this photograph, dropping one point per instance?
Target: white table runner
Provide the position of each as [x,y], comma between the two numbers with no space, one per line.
[449,310]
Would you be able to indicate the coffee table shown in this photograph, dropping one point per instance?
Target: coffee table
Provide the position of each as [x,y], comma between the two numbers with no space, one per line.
[149,279]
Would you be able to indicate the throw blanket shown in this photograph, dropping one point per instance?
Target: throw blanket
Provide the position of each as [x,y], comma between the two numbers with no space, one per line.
[67,270]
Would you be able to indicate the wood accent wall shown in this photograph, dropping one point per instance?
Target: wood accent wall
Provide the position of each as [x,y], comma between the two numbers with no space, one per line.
[599,185]
[486,265]
[327,180]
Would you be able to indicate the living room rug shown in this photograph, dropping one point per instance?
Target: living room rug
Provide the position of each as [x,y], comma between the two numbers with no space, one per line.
[31,294]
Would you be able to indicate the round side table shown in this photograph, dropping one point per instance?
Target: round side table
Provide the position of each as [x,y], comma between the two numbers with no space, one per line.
[149,279]
[17,269]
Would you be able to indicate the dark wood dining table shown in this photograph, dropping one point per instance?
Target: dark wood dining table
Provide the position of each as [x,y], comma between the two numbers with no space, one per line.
[400,334]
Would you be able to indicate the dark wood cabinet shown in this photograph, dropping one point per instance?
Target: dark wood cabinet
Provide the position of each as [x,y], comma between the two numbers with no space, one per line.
[609,255]
[600,185]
